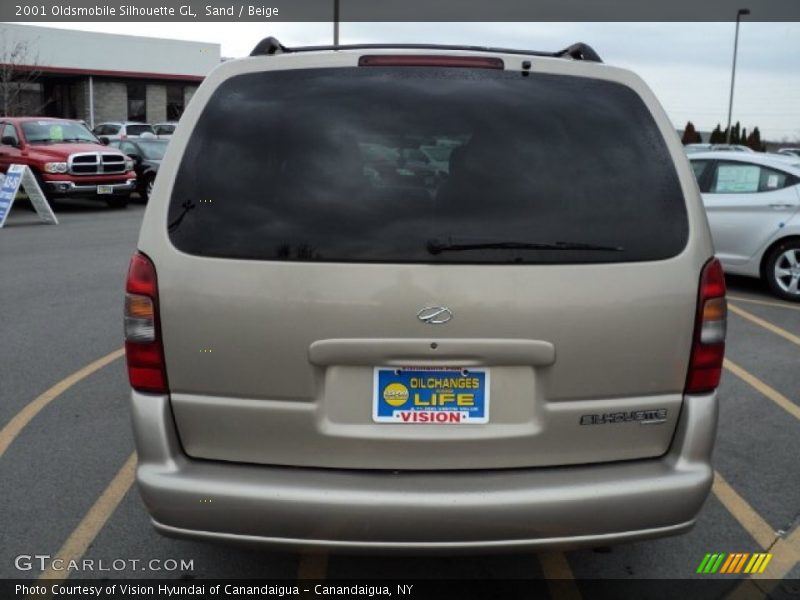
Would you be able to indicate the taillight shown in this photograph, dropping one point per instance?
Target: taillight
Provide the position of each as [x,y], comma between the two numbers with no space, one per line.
[143,350]
[412,60]
[708,345]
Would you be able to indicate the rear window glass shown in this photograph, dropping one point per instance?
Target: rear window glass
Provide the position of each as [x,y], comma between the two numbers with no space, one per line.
[407,164]
[138,129]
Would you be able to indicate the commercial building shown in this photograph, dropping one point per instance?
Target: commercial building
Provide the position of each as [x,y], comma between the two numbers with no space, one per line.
[98,76]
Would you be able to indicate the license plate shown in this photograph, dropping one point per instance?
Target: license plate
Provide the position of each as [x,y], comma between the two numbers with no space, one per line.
[439,396]
[105,189]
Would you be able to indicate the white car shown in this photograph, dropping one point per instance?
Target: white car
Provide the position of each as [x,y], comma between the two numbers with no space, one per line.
[793,152]
[692,148]
[752,201]
[120,130]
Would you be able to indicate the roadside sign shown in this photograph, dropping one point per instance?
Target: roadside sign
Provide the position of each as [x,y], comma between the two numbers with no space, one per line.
[21,175]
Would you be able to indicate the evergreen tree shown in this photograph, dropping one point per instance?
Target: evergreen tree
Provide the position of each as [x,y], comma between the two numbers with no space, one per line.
[717,137]
[754,141]
[735,134]
[690,135]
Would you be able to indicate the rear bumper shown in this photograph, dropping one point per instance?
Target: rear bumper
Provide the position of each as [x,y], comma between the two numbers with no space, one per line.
[453,510]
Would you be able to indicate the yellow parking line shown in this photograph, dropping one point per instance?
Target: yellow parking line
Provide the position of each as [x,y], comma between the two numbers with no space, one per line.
[745,514]
[770,392]
[763,302]
[94,520]
[312,565]
[9,433]
[765,324]
[785,556]
[559,576]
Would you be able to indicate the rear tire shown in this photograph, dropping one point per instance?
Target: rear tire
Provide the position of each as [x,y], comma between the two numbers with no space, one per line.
[147,187]
[782,270]
[117,202]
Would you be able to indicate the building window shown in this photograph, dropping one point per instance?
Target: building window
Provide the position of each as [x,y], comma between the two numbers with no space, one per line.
[175,103]
[137,102]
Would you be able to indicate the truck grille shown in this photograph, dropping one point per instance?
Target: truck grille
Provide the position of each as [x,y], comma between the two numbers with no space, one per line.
[96,163]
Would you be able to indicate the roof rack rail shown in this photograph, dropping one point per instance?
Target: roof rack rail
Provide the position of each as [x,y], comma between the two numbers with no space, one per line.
[270,46]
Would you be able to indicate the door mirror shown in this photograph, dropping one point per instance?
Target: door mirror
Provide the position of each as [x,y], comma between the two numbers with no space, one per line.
[104,140]
[8,140]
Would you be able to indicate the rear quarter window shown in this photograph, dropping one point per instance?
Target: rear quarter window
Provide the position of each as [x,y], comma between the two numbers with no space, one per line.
[373,164]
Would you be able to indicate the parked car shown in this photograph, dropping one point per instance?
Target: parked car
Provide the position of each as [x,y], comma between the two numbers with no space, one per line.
[794,152]
[165,129]
[121,130]
[752,202]
[146,155]
[522,355]
[691,148]
[697,147]
[67,160]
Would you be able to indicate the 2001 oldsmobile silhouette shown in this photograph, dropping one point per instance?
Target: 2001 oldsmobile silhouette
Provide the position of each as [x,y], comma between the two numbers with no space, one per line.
[424,298]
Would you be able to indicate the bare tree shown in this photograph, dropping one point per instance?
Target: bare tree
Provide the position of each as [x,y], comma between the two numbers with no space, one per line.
[19,90]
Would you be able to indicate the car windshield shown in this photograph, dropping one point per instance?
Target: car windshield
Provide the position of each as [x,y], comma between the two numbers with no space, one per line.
[152,150]
[54,132]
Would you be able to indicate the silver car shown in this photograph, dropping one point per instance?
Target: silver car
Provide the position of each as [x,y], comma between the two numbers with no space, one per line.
[122,130]
[752,202]
[330,346]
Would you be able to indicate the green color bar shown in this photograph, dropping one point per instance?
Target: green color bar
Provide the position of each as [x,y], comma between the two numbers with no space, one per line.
[703,564]
[718,563]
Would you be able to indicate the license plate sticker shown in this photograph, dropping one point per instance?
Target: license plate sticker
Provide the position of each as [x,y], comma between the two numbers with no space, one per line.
[439,396]
[105,189]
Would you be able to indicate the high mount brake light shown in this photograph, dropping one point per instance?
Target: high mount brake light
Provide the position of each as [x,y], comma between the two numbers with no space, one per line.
[434,60]
[144,352]
[708,344]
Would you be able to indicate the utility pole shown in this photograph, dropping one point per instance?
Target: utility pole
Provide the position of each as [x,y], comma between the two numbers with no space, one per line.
[739,14]
[336,22]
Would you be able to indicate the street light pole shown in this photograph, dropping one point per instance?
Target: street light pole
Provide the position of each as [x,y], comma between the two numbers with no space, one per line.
[739,14]
[336,22]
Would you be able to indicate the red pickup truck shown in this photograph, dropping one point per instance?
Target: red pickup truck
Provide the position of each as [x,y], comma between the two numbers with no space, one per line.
[67,159]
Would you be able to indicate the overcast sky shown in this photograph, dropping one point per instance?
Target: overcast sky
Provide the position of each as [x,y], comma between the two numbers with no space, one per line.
[688,65]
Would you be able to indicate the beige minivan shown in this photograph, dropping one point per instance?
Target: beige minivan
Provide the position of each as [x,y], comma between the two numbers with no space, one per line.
[424,298]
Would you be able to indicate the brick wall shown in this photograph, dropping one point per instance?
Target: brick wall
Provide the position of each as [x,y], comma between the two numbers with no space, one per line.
[156,102]
[110,101]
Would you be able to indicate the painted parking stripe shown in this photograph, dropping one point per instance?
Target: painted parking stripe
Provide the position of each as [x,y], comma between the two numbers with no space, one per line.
[764,323]
[84,534]
[10,432]
[745,514]
[768,391]
[763,302]
[784,556]
[559,576]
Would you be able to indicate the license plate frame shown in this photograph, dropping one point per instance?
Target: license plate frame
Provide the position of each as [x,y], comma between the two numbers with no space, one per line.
[105,189]
[431,395]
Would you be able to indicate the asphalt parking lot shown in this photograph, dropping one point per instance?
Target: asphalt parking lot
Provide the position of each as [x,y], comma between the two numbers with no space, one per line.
[67,463]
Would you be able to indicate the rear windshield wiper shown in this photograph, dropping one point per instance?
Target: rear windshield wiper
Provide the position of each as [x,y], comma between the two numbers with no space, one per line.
[437,246]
